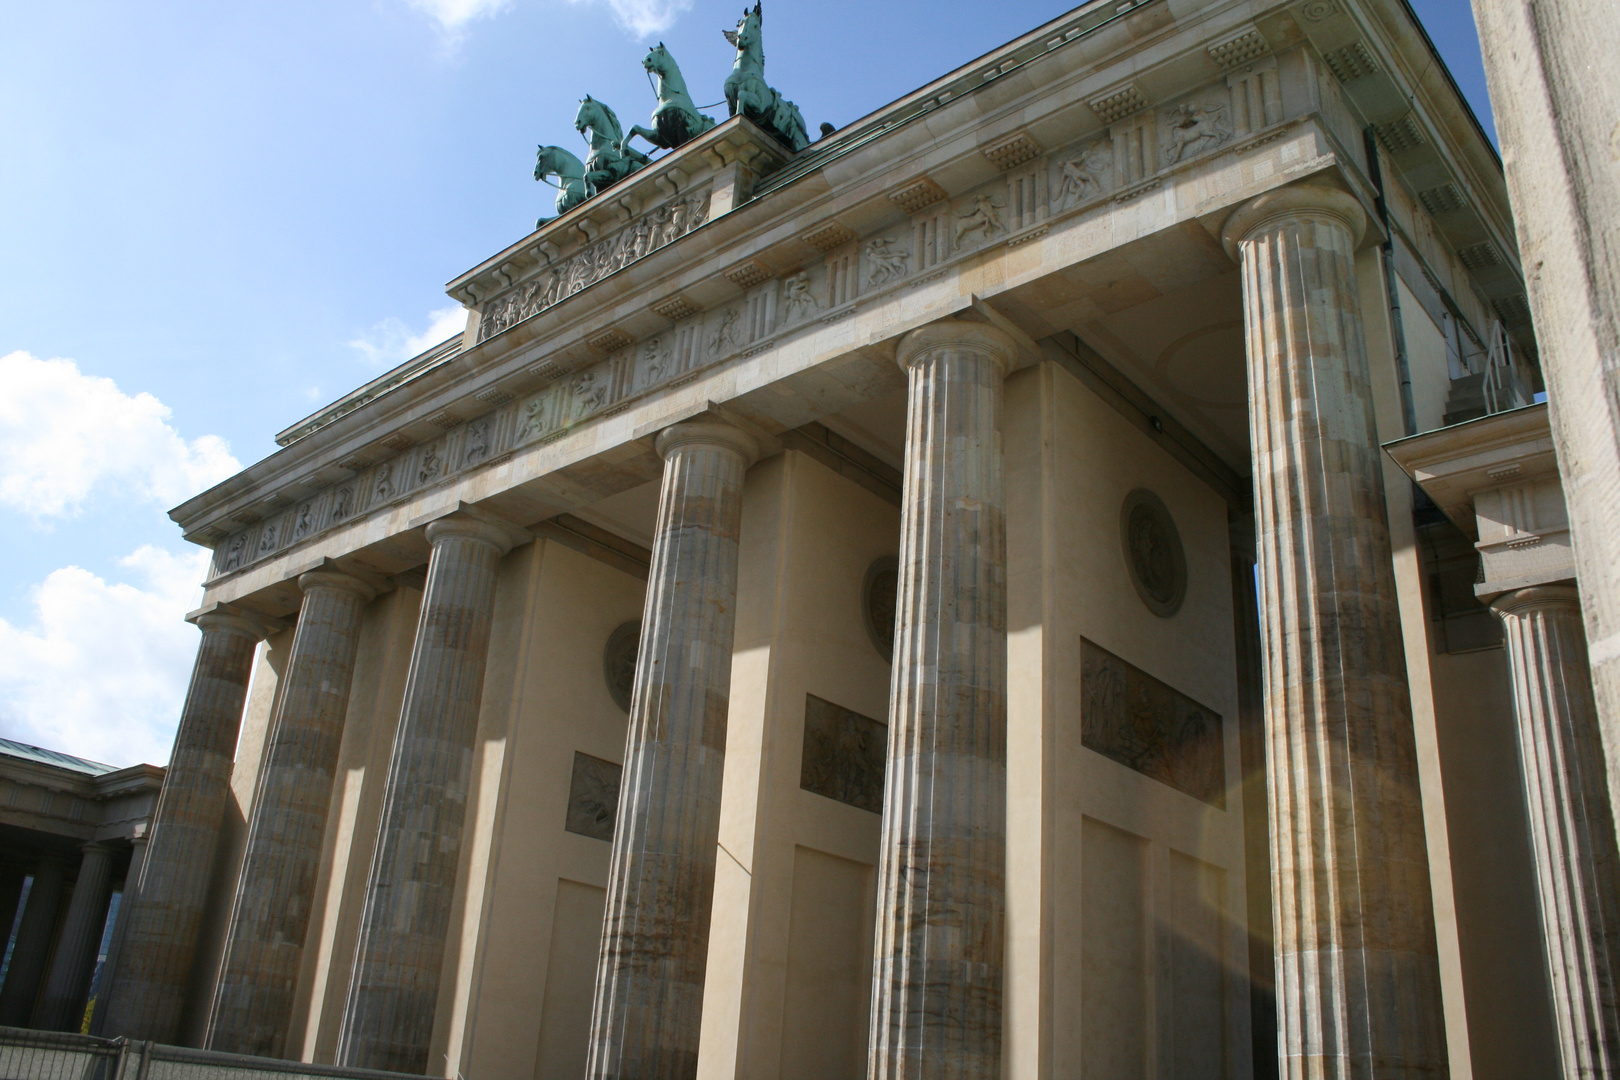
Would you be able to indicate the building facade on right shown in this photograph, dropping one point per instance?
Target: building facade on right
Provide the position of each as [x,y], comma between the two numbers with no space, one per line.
[1066,576]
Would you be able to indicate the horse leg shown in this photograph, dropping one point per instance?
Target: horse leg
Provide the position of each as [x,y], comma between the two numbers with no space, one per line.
[654,137]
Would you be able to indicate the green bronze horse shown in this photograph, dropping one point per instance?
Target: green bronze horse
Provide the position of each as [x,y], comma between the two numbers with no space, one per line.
[747,92]
[610,160]
[569,171]
[676,119]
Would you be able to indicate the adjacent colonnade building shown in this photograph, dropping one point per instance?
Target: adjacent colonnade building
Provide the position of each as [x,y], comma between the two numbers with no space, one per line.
[933,604]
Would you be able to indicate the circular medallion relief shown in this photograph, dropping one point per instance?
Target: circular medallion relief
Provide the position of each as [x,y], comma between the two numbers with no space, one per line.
[877,603]
[619,662]
[1153,552]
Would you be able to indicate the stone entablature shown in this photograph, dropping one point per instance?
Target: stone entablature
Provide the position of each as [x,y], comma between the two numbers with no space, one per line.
[113,805]
[1497,479]
[799,260]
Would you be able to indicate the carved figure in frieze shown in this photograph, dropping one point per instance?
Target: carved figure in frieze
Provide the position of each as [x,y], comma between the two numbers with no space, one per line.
[430,465]
[385,483]
[610,160]
[676,119]
[888,260]
[590,394]
[267,539]
[477,441]
[726,335]
[1194,129]
[234,553]
[1083,175]
[984,219]
[570,174]
[652,359]
[534,416]
[305,523]
[341,503]
[797,298]
[747,92]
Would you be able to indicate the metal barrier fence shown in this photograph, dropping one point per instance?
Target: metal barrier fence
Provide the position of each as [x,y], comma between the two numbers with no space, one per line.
[48,1055]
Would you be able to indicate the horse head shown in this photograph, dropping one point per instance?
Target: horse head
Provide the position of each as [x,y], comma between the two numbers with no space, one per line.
[658,61]
[746,36]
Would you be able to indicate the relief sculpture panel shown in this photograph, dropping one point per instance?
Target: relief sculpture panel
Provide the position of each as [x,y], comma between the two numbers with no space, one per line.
[593,797]
[1130,717]
[652,231]
[844,754]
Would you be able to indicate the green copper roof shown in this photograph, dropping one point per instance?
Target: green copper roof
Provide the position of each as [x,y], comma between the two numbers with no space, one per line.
[52,757]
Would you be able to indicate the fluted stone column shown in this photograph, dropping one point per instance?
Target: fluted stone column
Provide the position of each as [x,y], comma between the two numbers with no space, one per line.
[1549,65]
[388,1021]
[253,1000]
[1358,985]
[937,973]
[115,948]
[164,921]
[33,945]
[646,1014]
[68,983]
[1571,822]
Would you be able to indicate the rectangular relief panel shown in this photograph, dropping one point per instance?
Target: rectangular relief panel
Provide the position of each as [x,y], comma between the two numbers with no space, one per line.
[844,754]
[593,797]
[1130,717]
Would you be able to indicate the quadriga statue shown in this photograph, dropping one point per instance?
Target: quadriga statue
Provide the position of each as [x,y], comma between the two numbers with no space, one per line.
[570,174]
[675,120]
[610,160]
[747,93]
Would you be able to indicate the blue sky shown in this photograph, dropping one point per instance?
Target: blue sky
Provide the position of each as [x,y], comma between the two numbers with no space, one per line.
[217,217]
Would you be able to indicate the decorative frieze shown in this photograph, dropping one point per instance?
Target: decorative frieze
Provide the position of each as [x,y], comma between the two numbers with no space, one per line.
[1442,199]
[1402,134]
[1118,104]
[830,236]
[1479,256]
[1130,717]
[636,240]
[1350,62]
[1239,48]
[608,341]
[746,275]
[675,308]
[1012,152]
[921,192]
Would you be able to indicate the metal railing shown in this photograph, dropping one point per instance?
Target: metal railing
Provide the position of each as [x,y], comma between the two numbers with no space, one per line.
[1502,386]
[48,1055]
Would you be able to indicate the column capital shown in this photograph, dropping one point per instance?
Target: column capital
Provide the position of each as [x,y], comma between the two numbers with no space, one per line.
[1296,201]
[468,523]
[948,333]
[231,622]
[710,431]
[1536,596]
[336,579]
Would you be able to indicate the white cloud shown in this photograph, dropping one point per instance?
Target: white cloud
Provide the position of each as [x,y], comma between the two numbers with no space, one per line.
[64,433]
[391,342]
[643,18]
[103,670]
[452,15]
